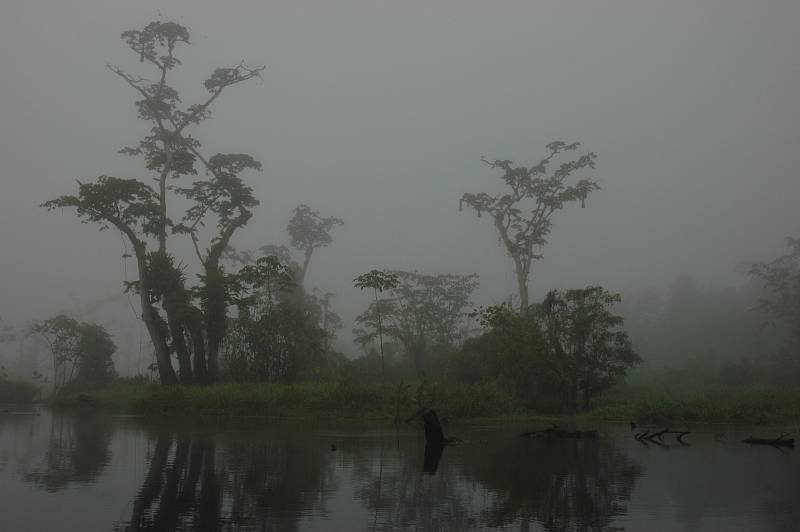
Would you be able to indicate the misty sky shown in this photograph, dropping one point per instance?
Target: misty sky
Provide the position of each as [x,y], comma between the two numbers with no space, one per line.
[378,112]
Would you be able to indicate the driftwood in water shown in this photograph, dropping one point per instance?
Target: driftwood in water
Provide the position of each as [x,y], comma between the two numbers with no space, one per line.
[780,441]
[555,432]
[657,436]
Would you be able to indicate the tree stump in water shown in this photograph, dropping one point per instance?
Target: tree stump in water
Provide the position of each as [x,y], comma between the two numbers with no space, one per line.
[433,429]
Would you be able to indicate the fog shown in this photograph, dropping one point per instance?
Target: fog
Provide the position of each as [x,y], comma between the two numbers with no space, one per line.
[379,113]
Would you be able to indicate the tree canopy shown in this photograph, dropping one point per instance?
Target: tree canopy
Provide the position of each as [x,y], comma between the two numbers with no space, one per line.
[309,231]
[522,215]
[781,279]
[80,352]
[422,311]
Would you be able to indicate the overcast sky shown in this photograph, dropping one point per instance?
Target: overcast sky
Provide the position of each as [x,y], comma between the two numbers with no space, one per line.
[378,112]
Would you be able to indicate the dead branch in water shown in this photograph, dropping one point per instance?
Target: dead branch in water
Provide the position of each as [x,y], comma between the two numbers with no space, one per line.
[780,441]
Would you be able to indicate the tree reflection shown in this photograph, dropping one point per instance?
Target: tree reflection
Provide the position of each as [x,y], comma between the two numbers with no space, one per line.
[194,484]
[77,452]
[565,484]
[275,481]
[505,481]
[180,488]
[391,484]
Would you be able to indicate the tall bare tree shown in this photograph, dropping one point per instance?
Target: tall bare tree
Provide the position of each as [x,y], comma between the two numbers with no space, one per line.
[522,215]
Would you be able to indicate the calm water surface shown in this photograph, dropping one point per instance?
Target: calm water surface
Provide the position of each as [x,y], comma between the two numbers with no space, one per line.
[90,472]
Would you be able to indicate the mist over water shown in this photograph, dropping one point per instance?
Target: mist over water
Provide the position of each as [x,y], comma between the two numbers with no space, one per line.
[511,209]
[379,114]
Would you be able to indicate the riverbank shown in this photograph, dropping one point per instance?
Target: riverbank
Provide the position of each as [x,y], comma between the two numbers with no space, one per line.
[458,401]
[335,399]
[751,405]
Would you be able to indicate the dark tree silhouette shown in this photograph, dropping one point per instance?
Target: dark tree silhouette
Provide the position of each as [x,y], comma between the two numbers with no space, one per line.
[310,231]
[188,322]
[522,216]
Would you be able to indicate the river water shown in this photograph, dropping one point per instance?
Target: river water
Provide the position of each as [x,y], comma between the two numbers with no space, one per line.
[88,472]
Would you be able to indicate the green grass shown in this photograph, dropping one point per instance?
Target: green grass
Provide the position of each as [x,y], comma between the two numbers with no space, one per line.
[358,400]
[342,399]
[756,405]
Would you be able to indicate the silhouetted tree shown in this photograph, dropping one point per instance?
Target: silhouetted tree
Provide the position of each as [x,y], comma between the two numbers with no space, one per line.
[80,352]
[422,312]
[585,341]
[379,281]
[522,216]
[189,322]
[781,279]
[310,231]
[77,452]
[276,334]
[96,367]
[512,350]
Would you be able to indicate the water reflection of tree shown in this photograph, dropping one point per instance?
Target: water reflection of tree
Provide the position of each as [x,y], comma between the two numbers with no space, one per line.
[181,487]
[567,484]
[392,485]
[77,452]
[274,482]
[193,484]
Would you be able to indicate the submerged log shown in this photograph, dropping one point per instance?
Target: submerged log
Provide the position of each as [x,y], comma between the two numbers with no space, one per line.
[780,441]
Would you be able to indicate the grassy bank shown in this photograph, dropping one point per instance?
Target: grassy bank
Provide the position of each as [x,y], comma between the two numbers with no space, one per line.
[338,399]
[754,405]
[382,401]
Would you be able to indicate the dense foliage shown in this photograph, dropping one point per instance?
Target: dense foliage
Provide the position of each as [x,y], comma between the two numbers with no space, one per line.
[560,353]
[309,231]
[277,335]
[422,312]
[781,279]
[80,352]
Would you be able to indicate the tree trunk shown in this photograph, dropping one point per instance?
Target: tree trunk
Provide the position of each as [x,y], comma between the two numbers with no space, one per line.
[216,317]
[176,330]
[380,334]
[199,348]
[306,262]
[522,283]
[154,325]
[165,371]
